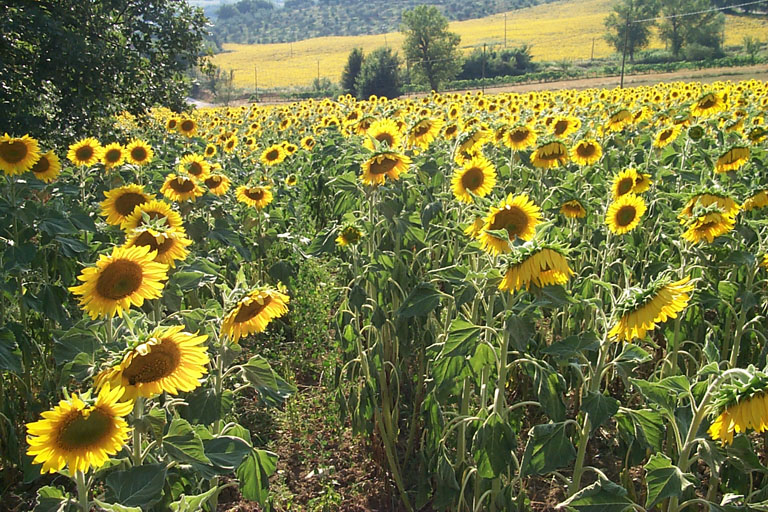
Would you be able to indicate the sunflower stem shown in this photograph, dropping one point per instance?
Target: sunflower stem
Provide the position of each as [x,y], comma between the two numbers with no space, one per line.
[741,320]
[218,386]
[82,491]
[138,412]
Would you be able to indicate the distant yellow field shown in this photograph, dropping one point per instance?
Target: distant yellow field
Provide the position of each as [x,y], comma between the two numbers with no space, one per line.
[559,30]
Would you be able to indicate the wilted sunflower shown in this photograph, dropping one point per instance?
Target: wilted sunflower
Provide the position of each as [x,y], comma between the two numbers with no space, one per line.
[273,155]
[586,152]
[195,166]
[517,215]
[217,184]
[120,203]
[381,165]
[549,155]
[732,159]
[708,104]
[666,136]
[757,200]
[139,152]
[85,152]
[478,176]
[78,435]
[643,310]
[170,361]
[47,167]
[383,131]
[258,197]
[708,227]
[180,188]
[573,209]
[624,183]
[152,210]
[350,235]
[702,201]
[308,142]
[743,406]
[170,244]
[520,137]
[624,214]
[125,278]
[188,127]
[18,154]
[538,265]
[253,313]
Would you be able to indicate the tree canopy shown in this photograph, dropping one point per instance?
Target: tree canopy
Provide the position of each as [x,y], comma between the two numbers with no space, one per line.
[379,74]
[622,30]
[432,51]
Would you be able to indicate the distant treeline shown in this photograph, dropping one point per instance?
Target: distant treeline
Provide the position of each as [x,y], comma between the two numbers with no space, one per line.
[261,21]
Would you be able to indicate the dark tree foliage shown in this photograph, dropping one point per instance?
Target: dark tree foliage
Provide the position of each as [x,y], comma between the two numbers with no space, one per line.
[379,75]
[431,49]
[65,65]
[636,36]
[352,70]
[497,62]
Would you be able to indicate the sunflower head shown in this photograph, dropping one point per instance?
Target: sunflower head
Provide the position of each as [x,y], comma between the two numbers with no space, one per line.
[113,155]
[732,159]
[516,217]
[520,137]
[120,202]
[549,155]
[535,264]
[139,152]
[573,209]
[169,244]
[477,177]
[254,312]
[180,188]
[47,168]
[740,406]
[195,166]
[18,154]
[349,235]
[382,165]
[273,155]
[624,183]
[258,197]
[586,152]
[625,213]
[218,184]
[85,152]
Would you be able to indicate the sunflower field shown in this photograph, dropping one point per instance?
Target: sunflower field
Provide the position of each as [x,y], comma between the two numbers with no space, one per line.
[552,298]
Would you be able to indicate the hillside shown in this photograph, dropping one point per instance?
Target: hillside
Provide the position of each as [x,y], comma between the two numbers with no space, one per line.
[562,30]
[264,21]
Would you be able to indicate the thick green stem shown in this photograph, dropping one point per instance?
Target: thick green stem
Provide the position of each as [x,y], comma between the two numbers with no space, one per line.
[741,320]
[82,491]
[218,383]
[138,412]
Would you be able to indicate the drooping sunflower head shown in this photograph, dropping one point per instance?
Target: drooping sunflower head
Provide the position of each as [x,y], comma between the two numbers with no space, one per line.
[619,120]
[217,184]
[520,137]
[170,361]
[258,197]
[586,152]
[382,165]
[253,313]
[477,177]
[18,154]
[139,152]
[699,204]
[80,435]
[153,212]
[536,264]
[732,159]
[180,188]
[85,152]
[624,183]
[549,155]
[516,217]
[382,134]
[709,226]
[625,213]
[708,104]
[573,209]
[349,235]
[47,167]
[169,244]
[120,202]
[273,155]
[757,200]
[740,405]
[195,166]
[472,141]
[120,280]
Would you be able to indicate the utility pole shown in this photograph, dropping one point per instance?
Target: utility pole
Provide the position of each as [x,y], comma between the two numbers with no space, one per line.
[483,82]
[505,30]
[624,50]
[592,56]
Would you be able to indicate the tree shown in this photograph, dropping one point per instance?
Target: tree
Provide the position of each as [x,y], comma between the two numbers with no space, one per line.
[700,31]
[379,75]
[66,66]
[430,48]
[622,30]
[352,70]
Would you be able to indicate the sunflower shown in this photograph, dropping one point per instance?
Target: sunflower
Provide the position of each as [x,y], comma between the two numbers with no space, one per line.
[85,152]
[708,104]
[520,137]
[291,180]
[170,244]
[540,265]
[702,201]
[586,152]
[18,154]
[350,235]
[258,197]
[478,176]
[120,203]
[308,142]
[47,167]
[210,151]
[381,165]
[550,154]
[289,148]
[217,184]
[273,155]
[745,412]
[667,136]
[253,313]
[125,278]
[573,209]
[732,159]
[476,228]
[230,144]
[708,227]
[451,131]
[757,134]
[180,188]
[170,361]
[188,127]
[563,126]
[195,166]
[642,183]
[152,211]
[172,124]
[424,132]
[78,435]
[624,183]
[642,311]
[517,215]
[619,120]
[471,143]
[382,131]
[624,213]
[139,152]
[757,200]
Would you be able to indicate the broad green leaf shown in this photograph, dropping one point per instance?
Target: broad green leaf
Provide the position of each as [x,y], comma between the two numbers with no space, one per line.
[254,473]
[193,503]
[272,389]
[10,357]
[429,212]
[492,446]
[548,449]
[664,480]
[156,420]
[644,425]
[422,299]
[461,339]
[115,507]
[205,407]
[226,452]
[549,389]
[631,356]
[520,331]
[600,408]
[53,499]
[573,346]
[183,444]
[664,393]
[601,496]
[742,455]
[140,486]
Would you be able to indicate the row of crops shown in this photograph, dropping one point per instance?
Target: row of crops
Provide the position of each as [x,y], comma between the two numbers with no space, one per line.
[555,294]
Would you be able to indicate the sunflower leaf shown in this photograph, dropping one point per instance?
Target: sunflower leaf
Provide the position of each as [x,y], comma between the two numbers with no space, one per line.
[601,496]
[183,444]
[600,408]
[272,389]
[115,507]
[548,449]
[461,338]
[492,444]
[253,474]
[664,480]
[53,499]
[10,356]
[422,299]
[139,486]
[193,503]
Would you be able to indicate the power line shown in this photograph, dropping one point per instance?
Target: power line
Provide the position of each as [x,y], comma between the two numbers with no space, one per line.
[714,9]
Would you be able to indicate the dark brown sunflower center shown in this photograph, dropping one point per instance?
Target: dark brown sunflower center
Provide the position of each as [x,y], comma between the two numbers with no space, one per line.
[161,362]
[626,215]
[139,154]
[256,194]
[707,226]
[13,152]
[707,102]
[187,125]
[273,154]
[451,130]
[210,150]
[561,127]
[351,235]
[472,178]
[213,181]
[113,155]
[195,169]
[421,130]
[586,150]
[386,137]
[251,310]
[518,135]
[665,134]
[182,185]
[230,144]
[84,153]
[79,431]
[384,165]
[126,203]
[172,124]
[625,185]
[513,219]
[119,279]
[41,165]
[147,240]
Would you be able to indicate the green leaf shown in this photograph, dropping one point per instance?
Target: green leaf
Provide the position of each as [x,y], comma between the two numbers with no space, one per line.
[193,503]
[422,299]
[601,496]
[631,356]
[254,473]
[573,346]
[140,486]
[53,499]
[282,271]
[115,507]
[492,445]
[187,280]
[599,407]
[205,407]
[664,393]
[226,452]
[644,425]
[10,356]
[742,455]
[664,480]
[156,420]
[272,389]
[429,212]
[549,389]
[183,444]
[461,339]
[548,449]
